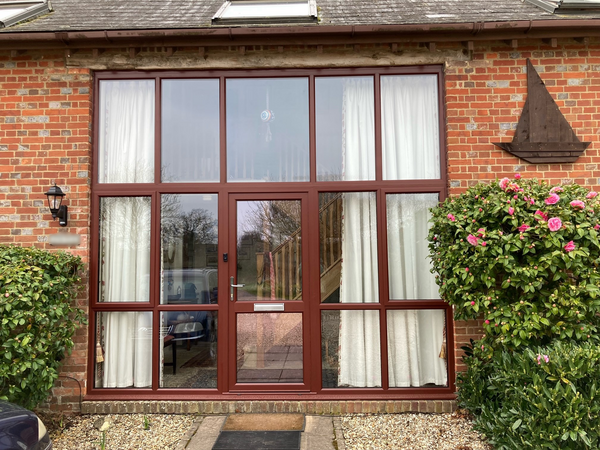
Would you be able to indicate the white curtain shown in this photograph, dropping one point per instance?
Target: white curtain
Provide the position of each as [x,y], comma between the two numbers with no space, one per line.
[126,138]
[410,127]
[359,353]
[125,277]
[410,136]
[126,155]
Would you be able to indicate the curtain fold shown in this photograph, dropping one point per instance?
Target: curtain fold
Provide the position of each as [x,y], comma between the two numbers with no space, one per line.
[359,341]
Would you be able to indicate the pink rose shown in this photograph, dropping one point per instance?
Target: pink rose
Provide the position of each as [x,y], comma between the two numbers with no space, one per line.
[554,224]
[466,269]
[596,227]
[487,322]
[524,227]
[542,215]
[451,217]
[483,244]
[511,210]
[503,183]
[577,204]
[570,246]
[517,176]
[472,303]
[591,194]
[481,232]
[556,189]
[553,199]
[472,239]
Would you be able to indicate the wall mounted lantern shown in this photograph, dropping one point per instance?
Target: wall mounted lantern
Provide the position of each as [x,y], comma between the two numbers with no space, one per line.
[55,196]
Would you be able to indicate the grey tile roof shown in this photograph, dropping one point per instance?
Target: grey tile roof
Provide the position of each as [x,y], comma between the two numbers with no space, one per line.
[83,15]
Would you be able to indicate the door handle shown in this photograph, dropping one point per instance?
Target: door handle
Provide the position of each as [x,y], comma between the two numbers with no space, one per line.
[232,286]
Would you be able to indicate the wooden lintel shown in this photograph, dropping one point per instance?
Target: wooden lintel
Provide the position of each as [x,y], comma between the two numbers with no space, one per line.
[356,47]
[394,48]
[469,45]
[583,40]
[280,48]
[431,46]
[96,52]
[319,49]
[514,43]
[552,42]
[242,49]
[133,51]
[201,51]
[14,53]
[169,51]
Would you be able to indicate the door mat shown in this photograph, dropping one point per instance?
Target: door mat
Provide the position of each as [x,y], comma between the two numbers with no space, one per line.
[264,422]
[258,440]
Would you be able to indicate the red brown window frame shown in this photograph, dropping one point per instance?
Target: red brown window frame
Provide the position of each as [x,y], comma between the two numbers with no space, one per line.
[312,188]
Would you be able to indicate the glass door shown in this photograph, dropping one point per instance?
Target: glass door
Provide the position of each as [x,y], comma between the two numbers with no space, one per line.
[268,342]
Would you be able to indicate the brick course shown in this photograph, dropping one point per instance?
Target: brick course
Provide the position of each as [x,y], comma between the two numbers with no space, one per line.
[45,136]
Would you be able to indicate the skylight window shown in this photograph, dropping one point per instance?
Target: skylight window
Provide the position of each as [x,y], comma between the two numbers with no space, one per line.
[12,12]
[567,6]
[266,11]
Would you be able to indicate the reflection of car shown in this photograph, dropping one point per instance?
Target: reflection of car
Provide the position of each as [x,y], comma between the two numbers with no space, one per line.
[20,429]
[190,286]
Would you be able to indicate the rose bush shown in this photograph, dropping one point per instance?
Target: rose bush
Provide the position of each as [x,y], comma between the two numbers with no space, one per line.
[523,257]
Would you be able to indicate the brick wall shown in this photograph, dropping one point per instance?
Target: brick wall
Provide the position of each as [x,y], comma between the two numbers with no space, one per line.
[45,134]
[45,126]
[484,101]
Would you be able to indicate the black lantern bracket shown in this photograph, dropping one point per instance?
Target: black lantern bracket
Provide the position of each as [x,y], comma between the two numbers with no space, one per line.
[57,209]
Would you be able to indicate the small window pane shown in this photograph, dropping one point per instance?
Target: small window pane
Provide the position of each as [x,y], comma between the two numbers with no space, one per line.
[267,129]
[345,128]
[188,343]
[348,247]
[350,349]
[241,9]
[417,354]
[124,249]
[190,130]
[123,350]
[126,134]
[410,127]
[189,249]
[409,266]
[269,348]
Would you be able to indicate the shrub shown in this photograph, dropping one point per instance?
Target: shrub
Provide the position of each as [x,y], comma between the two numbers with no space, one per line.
[524,255]
[37,320]
[545,398]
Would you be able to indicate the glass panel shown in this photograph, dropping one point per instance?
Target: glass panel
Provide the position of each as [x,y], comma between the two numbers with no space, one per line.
[126,133]
[269,348]
[417,348]
[188,343]
[345,128]
[409,266]
[190,130]
[123,350]
[240,9]
[350,349]
[348,247]
[267,129]
[124,249]
[410,127]
[189,248]
[269,250]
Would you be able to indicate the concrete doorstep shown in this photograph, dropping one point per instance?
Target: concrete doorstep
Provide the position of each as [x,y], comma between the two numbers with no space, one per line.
[319,433]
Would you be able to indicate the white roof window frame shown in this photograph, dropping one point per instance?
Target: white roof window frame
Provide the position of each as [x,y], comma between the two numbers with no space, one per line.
[567,6]
[226,15]
[20,10]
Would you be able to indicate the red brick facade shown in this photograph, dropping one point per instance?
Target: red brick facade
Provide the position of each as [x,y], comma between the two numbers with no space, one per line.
[46,134]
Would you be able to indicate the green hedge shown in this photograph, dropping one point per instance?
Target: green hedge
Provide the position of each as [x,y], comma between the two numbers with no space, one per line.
[530,403]
[38,318]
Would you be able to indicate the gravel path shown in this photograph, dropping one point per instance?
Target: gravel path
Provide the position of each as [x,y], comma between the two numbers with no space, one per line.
[125,432]
[360,432]
[410,432]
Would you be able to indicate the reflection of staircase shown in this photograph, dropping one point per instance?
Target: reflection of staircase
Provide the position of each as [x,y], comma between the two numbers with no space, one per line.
[286,256]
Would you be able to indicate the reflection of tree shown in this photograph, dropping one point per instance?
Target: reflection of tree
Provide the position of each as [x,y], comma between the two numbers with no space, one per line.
[273,221]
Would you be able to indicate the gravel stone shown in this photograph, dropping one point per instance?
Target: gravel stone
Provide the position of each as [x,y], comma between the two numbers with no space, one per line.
[126,432]
[410,431]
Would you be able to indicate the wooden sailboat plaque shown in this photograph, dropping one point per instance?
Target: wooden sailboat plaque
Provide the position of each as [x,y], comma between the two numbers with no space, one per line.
[543,134]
